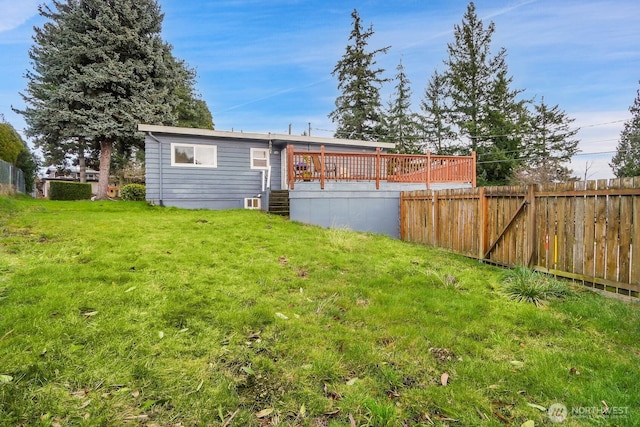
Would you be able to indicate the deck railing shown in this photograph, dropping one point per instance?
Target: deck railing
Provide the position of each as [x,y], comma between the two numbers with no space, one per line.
[376,166]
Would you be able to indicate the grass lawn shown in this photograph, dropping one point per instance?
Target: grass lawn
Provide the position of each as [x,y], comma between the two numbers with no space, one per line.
[115,313]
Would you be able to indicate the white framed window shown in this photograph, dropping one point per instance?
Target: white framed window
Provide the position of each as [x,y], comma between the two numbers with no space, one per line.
[194,155]
[259,158]
[252,203]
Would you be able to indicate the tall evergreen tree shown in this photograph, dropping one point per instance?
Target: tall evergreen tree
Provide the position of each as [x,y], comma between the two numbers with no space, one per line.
[549,146]
[358,108]
[503,129]
[435,119]
[626,161]
[100,68]
[191,110]
[471,73]
[484,108]
[400,123]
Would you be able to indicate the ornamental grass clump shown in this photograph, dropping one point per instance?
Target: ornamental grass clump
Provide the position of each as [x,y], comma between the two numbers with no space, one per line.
[525,285]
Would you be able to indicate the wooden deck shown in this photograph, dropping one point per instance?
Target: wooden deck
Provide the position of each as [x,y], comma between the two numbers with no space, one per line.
[322,166]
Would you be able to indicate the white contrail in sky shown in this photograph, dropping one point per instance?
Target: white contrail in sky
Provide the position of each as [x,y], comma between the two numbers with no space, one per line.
[15,13]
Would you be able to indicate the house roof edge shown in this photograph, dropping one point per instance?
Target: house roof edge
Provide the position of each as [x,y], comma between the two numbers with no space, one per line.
[174,130]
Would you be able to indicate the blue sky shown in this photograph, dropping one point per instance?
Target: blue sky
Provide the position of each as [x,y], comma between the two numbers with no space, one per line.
[266,64]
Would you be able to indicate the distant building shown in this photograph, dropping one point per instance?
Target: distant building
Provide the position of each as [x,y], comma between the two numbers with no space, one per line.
[53,173]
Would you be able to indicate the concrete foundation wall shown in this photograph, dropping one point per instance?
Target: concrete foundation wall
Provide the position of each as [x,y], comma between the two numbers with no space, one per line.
[357,206]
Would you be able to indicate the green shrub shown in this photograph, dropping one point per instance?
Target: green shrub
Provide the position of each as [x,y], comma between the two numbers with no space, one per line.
[525,285]
[133,192]
[64,190]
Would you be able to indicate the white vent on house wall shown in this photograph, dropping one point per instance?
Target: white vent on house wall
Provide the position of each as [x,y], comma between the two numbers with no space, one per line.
[251,203]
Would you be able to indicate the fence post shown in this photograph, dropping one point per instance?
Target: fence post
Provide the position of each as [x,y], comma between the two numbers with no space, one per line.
[436,219]
[531,224]
[428,169]
[483,207]
[322,167]
[290,170]
[402,216]
[378,168]
[473,169]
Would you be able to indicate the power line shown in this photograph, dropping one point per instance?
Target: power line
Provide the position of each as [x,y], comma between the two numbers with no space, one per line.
[535,158]
[569,132]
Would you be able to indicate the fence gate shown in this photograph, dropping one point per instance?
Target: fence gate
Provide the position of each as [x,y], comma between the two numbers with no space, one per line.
[507,219]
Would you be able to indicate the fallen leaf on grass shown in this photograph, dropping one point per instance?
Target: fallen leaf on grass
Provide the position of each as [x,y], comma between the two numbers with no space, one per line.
[85,404]
[330,393]
[501,417]
[130,289]
[248,370]
[541,408]
[5,379]
[80,394]
[517,363]
[161,334]
[264,413]
[528,423]
[282,316]
[352,381]
[89,313]
[444,379]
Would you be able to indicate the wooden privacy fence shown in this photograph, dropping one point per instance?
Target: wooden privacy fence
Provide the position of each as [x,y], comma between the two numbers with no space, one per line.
[588,231]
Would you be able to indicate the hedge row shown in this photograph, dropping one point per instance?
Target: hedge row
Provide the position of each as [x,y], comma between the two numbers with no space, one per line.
[63,190]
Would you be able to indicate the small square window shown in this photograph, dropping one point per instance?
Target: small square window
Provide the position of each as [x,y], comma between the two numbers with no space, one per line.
[259,158]
[252,203]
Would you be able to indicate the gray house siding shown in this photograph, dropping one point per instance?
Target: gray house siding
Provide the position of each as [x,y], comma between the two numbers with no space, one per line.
[356,205]
[222,187]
